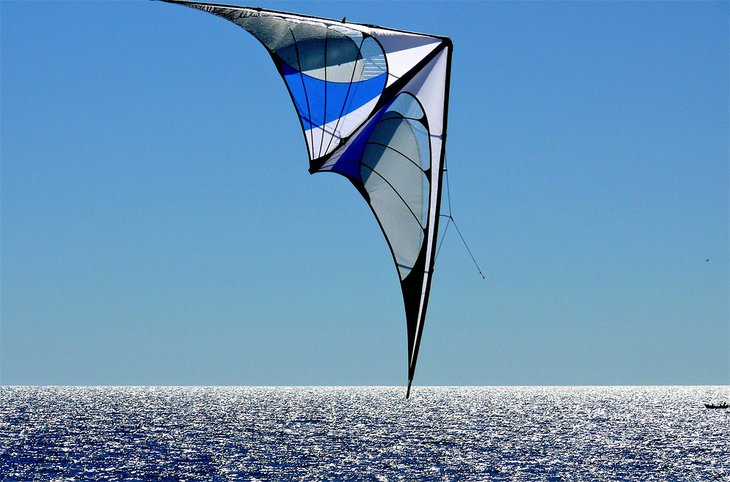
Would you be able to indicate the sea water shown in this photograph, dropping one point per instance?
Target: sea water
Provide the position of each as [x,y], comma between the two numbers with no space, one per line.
[364,433]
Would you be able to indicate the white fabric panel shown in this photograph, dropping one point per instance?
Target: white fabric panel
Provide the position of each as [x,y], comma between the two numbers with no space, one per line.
[403,50]
[339,73]
[403,61]
[393,41]
[428,86]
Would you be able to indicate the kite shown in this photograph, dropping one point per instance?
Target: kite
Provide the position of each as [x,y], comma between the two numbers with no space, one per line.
[372,103]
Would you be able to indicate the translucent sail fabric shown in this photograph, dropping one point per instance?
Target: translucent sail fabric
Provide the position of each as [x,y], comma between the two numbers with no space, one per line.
[372,103]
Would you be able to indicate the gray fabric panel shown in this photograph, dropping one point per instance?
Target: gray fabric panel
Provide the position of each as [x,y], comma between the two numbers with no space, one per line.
[393,176]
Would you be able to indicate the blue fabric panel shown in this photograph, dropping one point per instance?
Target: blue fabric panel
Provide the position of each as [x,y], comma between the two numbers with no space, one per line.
[349,163]
[304,88]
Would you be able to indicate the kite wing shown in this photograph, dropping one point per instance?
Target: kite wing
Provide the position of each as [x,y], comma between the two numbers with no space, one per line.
[372,103]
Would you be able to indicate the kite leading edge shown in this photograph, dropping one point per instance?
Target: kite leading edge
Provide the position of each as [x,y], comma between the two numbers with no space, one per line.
[372,103]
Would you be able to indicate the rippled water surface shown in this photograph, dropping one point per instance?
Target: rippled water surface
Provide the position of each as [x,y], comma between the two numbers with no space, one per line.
[363,433]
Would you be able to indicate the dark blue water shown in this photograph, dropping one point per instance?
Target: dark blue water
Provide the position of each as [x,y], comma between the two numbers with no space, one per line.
[364,433]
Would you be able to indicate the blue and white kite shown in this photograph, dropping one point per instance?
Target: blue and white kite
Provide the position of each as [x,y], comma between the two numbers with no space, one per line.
[372,103]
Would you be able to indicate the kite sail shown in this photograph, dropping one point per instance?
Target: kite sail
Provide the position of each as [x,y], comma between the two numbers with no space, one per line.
[372,103]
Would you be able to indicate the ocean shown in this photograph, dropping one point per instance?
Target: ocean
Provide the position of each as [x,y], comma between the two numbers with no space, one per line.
[364,433]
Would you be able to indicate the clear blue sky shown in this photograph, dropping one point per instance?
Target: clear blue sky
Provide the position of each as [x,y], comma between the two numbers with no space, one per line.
[159,225]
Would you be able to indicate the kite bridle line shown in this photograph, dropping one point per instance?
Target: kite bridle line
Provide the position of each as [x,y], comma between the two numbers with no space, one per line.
[451,220]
